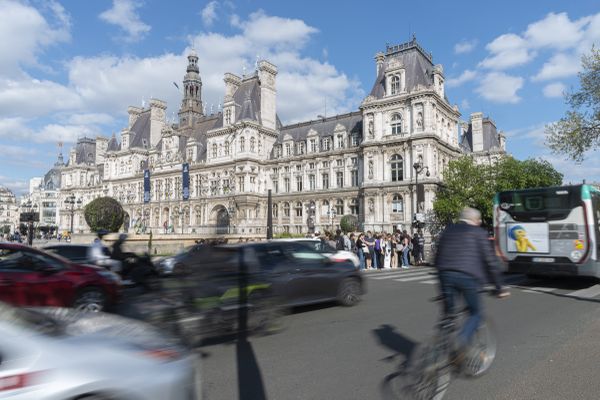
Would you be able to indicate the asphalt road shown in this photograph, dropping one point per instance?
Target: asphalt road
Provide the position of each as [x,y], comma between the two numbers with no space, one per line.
[547,332]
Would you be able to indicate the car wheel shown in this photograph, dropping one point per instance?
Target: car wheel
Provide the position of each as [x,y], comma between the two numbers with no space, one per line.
[91,299]
[349,292]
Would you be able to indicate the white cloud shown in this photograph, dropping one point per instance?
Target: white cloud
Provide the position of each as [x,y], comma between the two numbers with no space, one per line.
[576,172]
[123,14]
[464,104]
[18,187]
[467,75]
[559,66]
[465,46]
[507,51]
[555,31]
[209,13]
[22,129]
[499,87]
[554,89]
[90,118]
[26,32]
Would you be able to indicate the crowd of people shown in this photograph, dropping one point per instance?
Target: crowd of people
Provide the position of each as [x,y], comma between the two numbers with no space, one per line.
[380,250]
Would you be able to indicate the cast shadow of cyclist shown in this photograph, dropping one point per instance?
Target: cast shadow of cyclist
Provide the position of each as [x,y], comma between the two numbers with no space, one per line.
[403,349]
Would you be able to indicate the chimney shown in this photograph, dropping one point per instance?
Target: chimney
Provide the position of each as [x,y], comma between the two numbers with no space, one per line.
[268,94]
[379,57]
[134,113]
[101,146]
[157,120]
[477,131]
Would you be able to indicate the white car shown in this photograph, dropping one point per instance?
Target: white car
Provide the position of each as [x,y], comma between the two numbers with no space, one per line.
[59,354]
[328,251]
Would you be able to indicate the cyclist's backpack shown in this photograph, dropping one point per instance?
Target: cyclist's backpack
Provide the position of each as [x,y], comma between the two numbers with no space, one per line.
[339,243]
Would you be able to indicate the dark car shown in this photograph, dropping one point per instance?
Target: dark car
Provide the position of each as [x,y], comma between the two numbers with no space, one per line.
[82,254]
[295,273]
[31,277]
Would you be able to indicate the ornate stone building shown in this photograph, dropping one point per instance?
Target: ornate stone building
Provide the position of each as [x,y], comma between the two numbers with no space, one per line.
[358,163]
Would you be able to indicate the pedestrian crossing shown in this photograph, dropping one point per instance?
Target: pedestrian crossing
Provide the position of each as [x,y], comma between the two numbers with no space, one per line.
[428,276]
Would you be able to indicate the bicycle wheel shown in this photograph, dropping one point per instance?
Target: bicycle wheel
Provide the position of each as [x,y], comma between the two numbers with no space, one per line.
[428,375]
[481,352]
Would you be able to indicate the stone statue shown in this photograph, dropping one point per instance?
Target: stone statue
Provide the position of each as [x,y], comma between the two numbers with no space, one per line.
[420,120]
[370,128]
[370,169]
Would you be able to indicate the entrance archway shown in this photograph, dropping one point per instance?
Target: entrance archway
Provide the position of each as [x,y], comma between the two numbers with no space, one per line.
[220,220]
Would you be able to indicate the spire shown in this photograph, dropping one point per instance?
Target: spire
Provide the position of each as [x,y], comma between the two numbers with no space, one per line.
[60,160]
[191,104]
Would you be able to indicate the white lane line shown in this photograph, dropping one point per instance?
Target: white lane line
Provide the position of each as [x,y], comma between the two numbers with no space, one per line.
[588,293]
[422,273]
[399,272]
[431,281]
[538,290]
[413,278]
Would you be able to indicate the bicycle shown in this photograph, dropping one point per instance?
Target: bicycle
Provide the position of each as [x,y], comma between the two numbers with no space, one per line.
[432,364]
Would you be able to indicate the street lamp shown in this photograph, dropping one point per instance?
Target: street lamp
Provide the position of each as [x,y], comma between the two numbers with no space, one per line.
[310,221]
[70,203]
[418,167]
[30,210]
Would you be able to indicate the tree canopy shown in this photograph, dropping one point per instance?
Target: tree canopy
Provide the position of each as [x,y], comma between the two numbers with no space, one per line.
[349,223]
[469,184]
[579,130]
[104,213]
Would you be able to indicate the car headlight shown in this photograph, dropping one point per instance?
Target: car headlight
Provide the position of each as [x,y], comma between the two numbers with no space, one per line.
[111,276]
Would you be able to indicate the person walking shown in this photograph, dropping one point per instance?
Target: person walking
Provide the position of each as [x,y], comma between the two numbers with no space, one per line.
[416,250]
[464,261]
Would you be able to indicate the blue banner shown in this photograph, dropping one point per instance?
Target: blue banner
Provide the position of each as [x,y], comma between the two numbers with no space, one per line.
[146,186]
[186,181]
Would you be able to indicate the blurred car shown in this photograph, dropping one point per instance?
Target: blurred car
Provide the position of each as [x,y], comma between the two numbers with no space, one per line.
[60,354]
[82,254]
[327,250]
[31,277]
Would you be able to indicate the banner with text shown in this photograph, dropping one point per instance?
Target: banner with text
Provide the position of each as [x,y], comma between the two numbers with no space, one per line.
[146,186]
[186,181]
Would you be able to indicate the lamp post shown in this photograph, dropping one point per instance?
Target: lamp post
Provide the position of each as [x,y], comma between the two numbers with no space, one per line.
[70,202]
[418,167]
[310,221]
[30,216]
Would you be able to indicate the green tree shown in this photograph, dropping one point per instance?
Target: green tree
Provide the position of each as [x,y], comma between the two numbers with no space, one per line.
[104,213]
[349,223]
[469,184]
[579,131]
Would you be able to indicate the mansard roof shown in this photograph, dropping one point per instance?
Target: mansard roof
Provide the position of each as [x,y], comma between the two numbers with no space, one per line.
[199,130]
[491,141]
[85,151]
[113,144]
[352,122]
[247,100]
[417,63]
[141,130]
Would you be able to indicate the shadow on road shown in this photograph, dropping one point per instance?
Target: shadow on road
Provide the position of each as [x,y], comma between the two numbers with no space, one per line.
[402,346]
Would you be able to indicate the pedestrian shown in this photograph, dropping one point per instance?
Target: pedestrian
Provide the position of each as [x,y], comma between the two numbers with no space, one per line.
[370,253]
[394,243]
[387,252]
[415,249]
[360,251]
[379,251]
[332,243]
[405,250]
[347,242]
[422,248]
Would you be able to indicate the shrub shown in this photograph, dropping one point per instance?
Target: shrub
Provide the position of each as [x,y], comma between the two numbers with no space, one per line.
[104,213]
[349,223]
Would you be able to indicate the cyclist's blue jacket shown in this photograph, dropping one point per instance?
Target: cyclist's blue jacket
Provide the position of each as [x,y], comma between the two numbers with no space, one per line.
[466,248]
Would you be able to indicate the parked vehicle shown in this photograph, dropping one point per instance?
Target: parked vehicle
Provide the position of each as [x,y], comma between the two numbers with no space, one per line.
[31,277]
[58,354]
[214,283]
[82,254]
[327,250]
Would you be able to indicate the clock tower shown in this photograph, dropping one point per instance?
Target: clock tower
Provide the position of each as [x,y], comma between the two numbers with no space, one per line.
[191,105]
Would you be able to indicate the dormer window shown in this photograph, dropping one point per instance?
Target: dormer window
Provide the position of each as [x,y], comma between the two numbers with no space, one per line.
[288,149]
[395,86]
[326,144]
[228,117]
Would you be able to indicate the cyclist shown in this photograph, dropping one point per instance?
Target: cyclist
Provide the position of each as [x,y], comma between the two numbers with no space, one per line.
[465,261]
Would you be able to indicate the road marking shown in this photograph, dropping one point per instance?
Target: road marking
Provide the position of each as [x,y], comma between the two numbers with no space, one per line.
[406,274]
[588,293]
[431,281]
[412,278]
[538,290]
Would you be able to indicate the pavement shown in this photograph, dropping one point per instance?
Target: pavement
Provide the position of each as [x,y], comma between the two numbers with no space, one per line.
[547,334]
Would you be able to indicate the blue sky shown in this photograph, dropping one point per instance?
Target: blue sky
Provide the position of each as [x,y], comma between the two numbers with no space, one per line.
[70,68]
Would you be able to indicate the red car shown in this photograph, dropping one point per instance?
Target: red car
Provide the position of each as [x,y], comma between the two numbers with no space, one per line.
[30,277]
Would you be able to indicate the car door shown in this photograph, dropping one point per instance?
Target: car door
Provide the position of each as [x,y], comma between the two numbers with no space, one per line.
[316,276]
[49,282]
[10,276]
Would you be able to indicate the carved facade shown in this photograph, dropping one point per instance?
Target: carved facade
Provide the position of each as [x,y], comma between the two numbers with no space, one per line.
[358,163]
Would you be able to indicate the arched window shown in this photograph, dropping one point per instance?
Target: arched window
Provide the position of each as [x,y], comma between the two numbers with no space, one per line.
[214,150]
[354,206]
[324,207]
[252,144]
[242,144]
[395,85]
[397,166]
[286,209]
[226,148]
[396,124]
[339,207]
[298,209]
[397,204]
